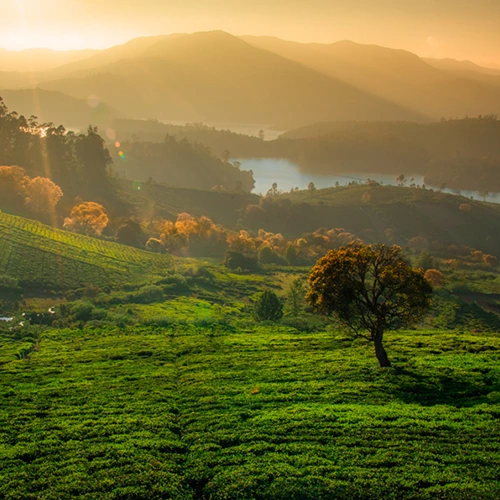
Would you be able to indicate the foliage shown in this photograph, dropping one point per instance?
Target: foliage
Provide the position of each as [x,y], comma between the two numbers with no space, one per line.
[180,163]
[42,195]
[435,277]
[268,307]
[199,236]
[19,192]
[78,162]
[295,298]
[88,218]
[425,260]
[369,288]
[269,256]
[237,260]
[131,233]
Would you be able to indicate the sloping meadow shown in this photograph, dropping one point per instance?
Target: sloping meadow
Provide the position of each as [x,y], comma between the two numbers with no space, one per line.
[263,412]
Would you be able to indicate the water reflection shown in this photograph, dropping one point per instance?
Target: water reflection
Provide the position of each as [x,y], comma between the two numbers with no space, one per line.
[288,175]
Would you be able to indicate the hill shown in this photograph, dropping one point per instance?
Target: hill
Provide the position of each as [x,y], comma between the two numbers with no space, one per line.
[131,49]
[454,65]
[42,258]
[56,107]
[217,139]
[179,163]
[462,154]
[157,200]
[217,77]
[369,211]
[396,75]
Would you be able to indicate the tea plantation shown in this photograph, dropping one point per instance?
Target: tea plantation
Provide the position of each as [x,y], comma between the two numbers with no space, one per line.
[160,384]
[43,258]
[248,412]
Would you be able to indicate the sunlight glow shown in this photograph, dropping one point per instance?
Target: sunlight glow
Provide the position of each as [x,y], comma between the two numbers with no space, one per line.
[24,39]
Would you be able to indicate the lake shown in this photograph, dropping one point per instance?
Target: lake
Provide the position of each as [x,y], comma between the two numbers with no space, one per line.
[288,175]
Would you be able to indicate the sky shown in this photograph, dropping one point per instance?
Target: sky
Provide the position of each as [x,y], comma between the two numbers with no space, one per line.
[460,29]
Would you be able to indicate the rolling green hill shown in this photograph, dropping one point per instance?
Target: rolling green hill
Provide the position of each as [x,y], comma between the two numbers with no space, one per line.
[45,259]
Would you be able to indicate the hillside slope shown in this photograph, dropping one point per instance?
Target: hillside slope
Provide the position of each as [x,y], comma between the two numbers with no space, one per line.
[398,75]
[217,77]
[370,210]
[43,258]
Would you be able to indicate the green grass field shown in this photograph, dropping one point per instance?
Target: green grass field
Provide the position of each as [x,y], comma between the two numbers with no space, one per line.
[43,258]
[254,412]
[190,398]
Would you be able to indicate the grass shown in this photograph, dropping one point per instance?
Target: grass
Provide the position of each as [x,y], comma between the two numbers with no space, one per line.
[47,259]
[259,412]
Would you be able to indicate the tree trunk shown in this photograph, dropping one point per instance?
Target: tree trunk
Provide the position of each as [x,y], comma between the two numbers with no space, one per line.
[380,351]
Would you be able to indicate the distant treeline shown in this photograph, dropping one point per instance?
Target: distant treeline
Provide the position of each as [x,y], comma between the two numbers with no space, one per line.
[179,163]
[461,153]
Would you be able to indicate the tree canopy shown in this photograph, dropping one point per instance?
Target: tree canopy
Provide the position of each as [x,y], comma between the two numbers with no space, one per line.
[369,288]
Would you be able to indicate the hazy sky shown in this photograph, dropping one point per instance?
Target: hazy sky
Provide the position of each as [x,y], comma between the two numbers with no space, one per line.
[462,29]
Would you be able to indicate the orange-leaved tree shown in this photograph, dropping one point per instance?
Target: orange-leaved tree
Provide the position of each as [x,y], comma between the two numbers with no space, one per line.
[12,187]
[370,289]
[42,195]
[435,277]
[87,218]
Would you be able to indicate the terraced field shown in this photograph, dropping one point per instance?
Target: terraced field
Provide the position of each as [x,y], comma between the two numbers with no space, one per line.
[43,258]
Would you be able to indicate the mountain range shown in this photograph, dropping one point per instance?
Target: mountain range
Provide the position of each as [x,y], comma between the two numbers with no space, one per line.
[218,77]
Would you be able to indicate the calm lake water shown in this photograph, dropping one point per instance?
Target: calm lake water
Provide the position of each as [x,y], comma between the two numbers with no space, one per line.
[288,175]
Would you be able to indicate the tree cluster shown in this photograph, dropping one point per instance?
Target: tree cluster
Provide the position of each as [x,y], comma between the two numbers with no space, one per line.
[76,162]
[180,163]
[22,194]
[201,237]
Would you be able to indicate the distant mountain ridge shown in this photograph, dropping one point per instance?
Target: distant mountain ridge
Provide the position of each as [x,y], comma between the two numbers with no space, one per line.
[218,77]
[215,76]
[426,86]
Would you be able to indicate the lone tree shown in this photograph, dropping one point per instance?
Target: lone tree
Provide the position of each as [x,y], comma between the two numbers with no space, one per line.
[369,288]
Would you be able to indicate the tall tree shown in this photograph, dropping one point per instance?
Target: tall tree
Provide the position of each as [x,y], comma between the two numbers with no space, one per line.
[94,157]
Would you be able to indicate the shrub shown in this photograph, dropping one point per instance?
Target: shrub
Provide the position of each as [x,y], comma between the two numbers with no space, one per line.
[268,307]
[235,260]
[268,256]
[82,311]
[9,285]
[148,294]
[490,260]
[435,277]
